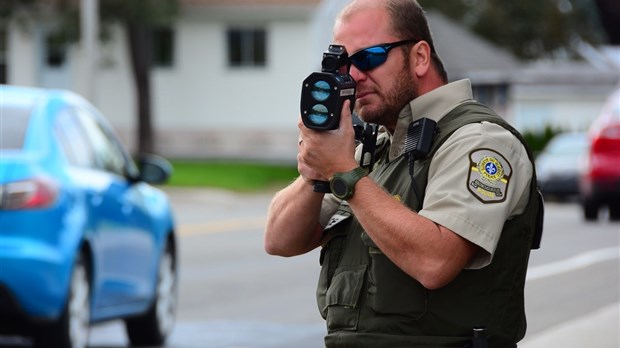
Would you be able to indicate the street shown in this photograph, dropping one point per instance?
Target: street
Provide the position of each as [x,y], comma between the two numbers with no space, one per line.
[234,295]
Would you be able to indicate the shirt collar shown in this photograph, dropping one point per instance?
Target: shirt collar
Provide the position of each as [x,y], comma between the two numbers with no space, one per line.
[434,105]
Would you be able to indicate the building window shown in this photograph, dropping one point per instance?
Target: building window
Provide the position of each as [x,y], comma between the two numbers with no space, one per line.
[163,47]
[247,47]
[56,50]
[496,96]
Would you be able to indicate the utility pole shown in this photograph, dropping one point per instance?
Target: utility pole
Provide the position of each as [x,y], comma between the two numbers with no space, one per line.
[89,30]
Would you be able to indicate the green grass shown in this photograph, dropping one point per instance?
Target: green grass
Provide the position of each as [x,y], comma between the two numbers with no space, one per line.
[246,176]
[231,175]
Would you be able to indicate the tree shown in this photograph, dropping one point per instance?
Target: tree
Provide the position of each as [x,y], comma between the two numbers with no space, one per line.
[531,29]
[138,17]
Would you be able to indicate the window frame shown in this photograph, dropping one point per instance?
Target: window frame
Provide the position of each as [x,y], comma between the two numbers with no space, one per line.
[247,47]
[163,43]
[103,149]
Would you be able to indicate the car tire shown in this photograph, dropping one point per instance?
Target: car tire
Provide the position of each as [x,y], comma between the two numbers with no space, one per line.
[590,210]
[152,328]
[72,329]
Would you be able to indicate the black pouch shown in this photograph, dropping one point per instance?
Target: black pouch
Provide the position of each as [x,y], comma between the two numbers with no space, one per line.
[390,289]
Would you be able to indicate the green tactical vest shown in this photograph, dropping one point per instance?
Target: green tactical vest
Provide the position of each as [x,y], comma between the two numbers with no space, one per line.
[367,301]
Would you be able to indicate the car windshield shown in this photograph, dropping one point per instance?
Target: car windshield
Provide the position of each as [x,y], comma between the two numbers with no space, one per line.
[568,144]
[13,123]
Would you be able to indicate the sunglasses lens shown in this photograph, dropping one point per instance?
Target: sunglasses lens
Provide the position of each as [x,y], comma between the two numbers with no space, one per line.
[369,58]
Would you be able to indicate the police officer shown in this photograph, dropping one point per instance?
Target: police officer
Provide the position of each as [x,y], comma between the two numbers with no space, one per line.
[411,258]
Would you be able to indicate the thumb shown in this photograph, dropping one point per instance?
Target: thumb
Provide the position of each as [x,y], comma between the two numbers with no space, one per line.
[345,115]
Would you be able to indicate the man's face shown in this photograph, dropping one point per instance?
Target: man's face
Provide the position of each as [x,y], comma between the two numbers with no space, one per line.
[382,92]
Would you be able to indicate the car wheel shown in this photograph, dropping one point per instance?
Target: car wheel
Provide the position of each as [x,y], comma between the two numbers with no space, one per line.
[72,329]
[590,210]
[152,328]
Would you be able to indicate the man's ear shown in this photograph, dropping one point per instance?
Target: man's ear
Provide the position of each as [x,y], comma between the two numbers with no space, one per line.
[420,58]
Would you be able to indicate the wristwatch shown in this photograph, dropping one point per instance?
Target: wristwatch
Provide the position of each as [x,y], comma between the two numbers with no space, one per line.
[343,184]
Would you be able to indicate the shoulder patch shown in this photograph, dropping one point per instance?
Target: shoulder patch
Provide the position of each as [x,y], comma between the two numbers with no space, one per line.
[489,175]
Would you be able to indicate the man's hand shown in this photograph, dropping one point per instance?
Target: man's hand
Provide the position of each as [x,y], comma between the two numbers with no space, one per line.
[324,153]
[308,174]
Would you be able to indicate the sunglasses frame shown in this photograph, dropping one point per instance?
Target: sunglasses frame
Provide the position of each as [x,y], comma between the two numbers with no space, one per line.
[387,47]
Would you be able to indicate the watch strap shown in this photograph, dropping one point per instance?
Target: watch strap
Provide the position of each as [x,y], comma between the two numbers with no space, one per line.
[349,179]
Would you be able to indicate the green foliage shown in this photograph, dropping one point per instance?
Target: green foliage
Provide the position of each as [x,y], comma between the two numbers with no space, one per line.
[66,28]
[529,28]
[152,12]
[538,140]
[231,175]
[10,7]
[148,12]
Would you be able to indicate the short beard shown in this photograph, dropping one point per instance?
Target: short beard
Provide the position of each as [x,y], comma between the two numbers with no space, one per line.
[404,90]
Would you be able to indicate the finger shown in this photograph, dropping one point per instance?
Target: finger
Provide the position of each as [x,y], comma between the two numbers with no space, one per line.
[300,121]
[346,111]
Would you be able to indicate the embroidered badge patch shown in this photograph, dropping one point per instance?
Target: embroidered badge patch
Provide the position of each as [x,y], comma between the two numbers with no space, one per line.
[489,175]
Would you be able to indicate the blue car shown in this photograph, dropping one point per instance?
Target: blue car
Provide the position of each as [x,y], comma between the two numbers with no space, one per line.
[84,237]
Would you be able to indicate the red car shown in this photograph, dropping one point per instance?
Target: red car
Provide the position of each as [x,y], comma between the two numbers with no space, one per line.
[600,183]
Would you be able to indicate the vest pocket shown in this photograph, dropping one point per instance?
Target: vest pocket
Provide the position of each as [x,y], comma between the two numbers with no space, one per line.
[392,291]
[342,297]
[329,260]
[323,284]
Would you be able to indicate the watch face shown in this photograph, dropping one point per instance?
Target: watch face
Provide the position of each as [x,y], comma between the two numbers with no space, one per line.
[339,187]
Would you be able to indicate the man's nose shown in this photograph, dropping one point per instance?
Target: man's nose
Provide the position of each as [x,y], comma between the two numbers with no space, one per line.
[356,73]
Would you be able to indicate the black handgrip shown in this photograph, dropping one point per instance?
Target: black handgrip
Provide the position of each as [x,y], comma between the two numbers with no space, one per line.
[322,186]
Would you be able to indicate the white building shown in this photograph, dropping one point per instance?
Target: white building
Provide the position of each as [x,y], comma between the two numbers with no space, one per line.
[227,78]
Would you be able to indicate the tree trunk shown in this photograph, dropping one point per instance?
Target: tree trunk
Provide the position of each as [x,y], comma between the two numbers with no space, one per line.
[139,40]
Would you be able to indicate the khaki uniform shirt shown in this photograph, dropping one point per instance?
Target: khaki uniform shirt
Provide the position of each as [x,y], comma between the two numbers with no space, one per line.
[451,200]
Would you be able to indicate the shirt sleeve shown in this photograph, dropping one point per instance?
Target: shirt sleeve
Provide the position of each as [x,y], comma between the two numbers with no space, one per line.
[478,179]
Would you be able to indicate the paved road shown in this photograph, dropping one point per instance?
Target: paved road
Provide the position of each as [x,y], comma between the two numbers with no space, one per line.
[234,295]
[572,298]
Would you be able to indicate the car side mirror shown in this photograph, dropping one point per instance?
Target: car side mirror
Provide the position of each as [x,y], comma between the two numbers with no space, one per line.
[154,169]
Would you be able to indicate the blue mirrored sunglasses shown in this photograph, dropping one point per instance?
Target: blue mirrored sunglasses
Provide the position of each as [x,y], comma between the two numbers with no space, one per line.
[371,57]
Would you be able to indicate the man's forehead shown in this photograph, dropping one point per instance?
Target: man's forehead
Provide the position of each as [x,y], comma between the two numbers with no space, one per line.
[363,27]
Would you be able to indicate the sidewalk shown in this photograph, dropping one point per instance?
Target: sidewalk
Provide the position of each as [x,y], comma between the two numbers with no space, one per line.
[600,329]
